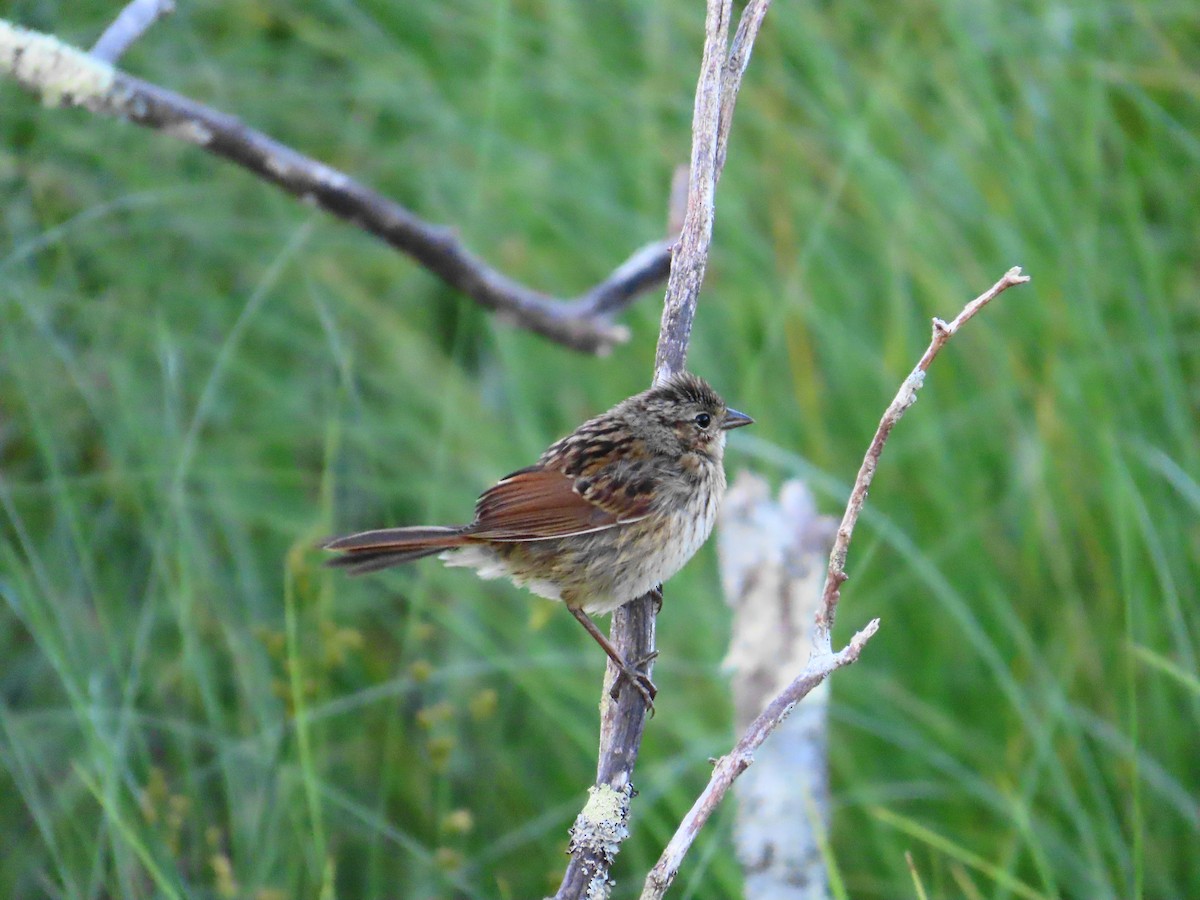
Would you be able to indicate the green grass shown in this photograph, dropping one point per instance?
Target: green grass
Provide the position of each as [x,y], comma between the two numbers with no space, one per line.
[199,378]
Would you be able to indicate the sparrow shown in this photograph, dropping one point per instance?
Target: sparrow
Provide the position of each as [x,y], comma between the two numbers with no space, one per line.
[606,514]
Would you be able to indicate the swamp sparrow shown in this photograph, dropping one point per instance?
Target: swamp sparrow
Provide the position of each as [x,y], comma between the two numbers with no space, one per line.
[606,514]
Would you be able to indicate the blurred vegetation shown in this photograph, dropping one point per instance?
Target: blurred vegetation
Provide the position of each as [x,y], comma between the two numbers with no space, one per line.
[200,377]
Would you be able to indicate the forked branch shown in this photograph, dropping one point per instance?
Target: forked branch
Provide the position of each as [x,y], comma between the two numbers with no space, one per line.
[823,662]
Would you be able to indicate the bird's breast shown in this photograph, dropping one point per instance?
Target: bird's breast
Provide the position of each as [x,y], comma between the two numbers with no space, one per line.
[686,523]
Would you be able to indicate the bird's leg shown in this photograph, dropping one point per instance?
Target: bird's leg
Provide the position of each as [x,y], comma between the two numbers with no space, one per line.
[641,683]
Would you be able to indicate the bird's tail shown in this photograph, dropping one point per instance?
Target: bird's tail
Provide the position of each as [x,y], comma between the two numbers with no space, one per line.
[369,551]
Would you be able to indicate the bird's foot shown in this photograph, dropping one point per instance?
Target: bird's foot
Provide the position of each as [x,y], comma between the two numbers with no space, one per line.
[640,681]
[656,594]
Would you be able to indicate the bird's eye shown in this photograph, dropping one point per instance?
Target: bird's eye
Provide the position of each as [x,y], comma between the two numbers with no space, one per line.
[703,420]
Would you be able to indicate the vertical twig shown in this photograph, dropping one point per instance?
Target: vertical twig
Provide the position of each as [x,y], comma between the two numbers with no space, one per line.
[603,823]
[735,68]
[690,258]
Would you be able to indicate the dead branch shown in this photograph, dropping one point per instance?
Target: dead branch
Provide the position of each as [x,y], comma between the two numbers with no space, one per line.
[730,766]
[64,76]
[691,255]
[823,661]
[603,824]
[905,398]
[133,21]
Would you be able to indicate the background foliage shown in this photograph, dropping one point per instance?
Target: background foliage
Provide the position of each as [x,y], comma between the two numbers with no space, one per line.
[200,377]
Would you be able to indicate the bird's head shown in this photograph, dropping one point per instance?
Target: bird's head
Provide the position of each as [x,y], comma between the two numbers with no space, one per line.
[684,415]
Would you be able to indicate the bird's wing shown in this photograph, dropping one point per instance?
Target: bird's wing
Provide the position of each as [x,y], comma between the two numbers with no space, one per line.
[542,502]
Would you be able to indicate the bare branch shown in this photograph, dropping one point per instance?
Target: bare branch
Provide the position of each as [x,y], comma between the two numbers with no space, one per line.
[622,720]
[64,76]
[691,254]
[729,767]
[823,662]
[133,21]
[905,398]
[735,68]
[645,269]
[721,72]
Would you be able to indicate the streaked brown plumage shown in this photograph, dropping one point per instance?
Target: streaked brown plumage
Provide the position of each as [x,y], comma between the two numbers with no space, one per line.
[605,515]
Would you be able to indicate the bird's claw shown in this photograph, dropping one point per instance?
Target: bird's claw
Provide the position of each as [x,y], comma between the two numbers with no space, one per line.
[656,594]
[641,682]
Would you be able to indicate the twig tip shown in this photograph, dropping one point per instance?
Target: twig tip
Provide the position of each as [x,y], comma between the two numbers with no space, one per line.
[855,647]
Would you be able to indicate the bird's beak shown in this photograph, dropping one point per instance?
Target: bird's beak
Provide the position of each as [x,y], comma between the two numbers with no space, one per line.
[735,419]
